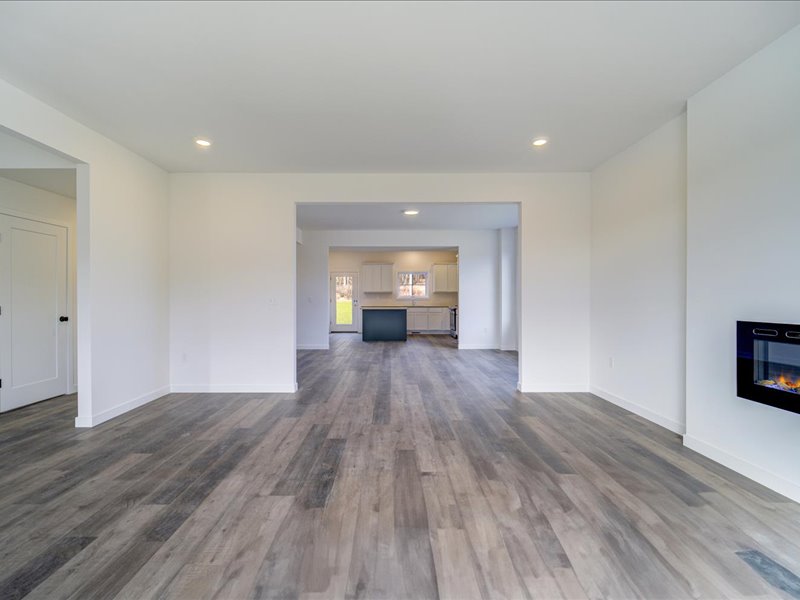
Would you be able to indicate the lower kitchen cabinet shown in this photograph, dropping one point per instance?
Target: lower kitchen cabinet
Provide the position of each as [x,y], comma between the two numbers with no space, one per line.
[431,320]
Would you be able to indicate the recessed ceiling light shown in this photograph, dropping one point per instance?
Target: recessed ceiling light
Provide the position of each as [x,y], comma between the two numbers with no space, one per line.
[540,142]
[202,142]
[411,212]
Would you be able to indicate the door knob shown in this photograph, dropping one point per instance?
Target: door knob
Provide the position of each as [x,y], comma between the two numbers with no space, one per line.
[62,319]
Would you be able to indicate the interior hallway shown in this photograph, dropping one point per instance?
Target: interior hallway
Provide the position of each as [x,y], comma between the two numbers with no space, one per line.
[398,471]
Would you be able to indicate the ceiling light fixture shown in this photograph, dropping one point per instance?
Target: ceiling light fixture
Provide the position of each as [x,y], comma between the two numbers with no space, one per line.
[202,142]
[539,142]
[411,212]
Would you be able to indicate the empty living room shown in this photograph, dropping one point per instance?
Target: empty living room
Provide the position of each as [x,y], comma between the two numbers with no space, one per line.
[394,300]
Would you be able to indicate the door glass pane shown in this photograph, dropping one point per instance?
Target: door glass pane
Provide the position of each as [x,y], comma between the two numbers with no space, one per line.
[344,299]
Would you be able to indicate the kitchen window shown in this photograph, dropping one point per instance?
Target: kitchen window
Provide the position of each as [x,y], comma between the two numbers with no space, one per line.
[412,284]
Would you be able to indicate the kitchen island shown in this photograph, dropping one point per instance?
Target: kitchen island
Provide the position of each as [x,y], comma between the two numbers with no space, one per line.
[383,323]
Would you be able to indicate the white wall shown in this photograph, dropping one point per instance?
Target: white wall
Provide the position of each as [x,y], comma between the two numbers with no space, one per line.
[508,288]
[554,255]
[232,274]
[639,277]
[123,292]
[19,153]
[233,242]
[743,248]
[478,264]
[24,200]
[20,197]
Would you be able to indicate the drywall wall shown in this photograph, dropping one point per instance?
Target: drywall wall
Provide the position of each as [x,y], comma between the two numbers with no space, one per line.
[232,276]
[24,200]
[19,153]
[402,260]
[508,288]
[554,255]
[232,264]
[743,211]
[638,291]
[122,259]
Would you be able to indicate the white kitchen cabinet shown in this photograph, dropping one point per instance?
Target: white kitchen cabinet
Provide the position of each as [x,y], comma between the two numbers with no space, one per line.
[438,319]
[428,319]
[368,278]
[386,278]
[417,319]
[452,278]
[445,278]
[377,278]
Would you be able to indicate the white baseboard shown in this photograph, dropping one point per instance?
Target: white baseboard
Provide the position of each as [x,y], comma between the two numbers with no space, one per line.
[313,346]
[119,409]
[232,388]
[645,413]
[774,482]
[83,421]
[554,387]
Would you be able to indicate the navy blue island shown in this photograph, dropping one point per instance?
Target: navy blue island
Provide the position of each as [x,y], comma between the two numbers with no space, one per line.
[383,323]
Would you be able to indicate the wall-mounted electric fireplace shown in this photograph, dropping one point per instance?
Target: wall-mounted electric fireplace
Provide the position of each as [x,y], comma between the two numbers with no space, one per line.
[768,364]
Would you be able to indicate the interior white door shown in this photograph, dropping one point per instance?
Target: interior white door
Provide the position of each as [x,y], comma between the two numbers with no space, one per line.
[344,302]
[33,300]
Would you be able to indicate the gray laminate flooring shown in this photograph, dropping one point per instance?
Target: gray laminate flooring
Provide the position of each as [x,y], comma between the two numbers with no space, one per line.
[399,470]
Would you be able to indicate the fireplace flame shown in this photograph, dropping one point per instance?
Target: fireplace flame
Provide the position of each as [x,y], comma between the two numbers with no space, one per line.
[787,383]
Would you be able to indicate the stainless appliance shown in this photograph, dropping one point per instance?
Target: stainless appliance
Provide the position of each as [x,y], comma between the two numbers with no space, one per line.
[454,322]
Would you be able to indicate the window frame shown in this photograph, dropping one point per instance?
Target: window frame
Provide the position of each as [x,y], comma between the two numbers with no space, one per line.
[427,275]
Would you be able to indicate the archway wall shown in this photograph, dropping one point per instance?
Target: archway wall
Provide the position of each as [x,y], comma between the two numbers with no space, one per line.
[233,269]
[122,259]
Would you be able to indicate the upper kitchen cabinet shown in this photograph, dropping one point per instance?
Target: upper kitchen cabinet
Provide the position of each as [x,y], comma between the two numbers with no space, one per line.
[377,278]
[445,278]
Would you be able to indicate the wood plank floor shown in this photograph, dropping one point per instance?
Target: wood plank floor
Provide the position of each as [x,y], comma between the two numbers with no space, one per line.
[398,471]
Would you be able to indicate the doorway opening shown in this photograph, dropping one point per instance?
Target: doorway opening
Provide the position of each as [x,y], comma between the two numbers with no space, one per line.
[38,274]
[452,267]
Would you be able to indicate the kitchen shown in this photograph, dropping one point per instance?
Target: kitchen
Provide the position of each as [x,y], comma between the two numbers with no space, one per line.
[389,294]
[478,241]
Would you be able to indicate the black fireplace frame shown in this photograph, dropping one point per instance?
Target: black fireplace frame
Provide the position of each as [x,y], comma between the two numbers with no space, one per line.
[747,332]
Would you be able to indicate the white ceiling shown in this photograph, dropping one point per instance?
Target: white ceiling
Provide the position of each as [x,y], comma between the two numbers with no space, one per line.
[58,181]
[378,86]
[390,216]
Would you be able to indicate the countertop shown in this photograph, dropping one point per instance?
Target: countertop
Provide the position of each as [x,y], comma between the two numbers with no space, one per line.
[398,307]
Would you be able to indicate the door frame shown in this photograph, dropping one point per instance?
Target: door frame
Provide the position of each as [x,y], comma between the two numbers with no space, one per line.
[356,327]
[69,359]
